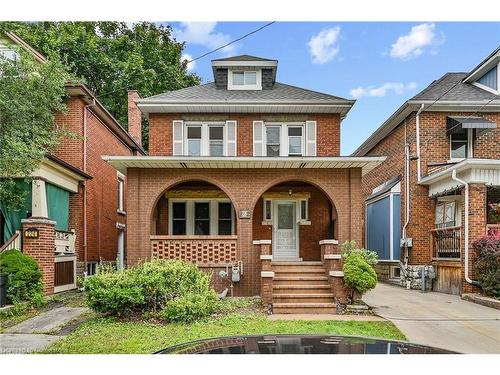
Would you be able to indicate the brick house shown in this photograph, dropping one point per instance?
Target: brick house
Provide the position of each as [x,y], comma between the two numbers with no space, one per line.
[244,179]
[74,215]
[436,191]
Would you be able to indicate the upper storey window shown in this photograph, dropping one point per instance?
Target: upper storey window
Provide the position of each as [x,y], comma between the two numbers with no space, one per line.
[244,80]
[282,139]
[461,145]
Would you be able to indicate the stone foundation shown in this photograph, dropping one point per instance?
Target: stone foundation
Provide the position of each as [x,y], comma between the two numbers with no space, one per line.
[415,279]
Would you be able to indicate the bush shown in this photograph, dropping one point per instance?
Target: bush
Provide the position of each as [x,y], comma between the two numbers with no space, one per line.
[190,307]
[113,292]
[487,264]
[25,278]
[150,287]
[349,248]
[358,274]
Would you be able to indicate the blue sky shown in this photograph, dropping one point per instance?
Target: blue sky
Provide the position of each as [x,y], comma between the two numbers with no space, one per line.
[379,64]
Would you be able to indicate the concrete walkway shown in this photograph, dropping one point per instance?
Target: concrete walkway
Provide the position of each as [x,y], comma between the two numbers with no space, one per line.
[37,333]
[437,319]
[358,318]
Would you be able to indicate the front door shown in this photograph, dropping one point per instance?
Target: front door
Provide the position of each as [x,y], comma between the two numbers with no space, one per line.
[285,241]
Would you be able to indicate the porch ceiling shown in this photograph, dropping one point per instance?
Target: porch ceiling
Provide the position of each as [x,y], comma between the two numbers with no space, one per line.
[121,163]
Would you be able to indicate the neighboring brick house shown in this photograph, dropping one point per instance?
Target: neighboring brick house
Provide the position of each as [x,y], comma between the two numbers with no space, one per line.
[439,144]
[75,207]
[244,179]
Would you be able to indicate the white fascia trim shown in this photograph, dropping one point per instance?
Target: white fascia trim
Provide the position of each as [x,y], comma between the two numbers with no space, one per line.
[267,274]
[329,242]
[463,165]
[336,273]
[333,256]
[256,64]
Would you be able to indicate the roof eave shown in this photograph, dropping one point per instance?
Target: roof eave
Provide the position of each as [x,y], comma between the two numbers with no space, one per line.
[464,164]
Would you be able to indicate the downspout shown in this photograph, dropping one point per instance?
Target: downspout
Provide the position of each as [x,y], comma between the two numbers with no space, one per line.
[85,108]
[466,228]
[419,170]
[407,198]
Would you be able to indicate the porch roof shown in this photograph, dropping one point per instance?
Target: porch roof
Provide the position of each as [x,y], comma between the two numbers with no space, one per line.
[121,163]
[485,171]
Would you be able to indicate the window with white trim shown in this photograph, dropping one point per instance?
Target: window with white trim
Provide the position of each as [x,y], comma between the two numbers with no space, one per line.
[245,78]
[201,217]
[273,135]
[304,208]
[121,193]
[445,214]
[216,140]
[193,140]
[295,140]
[268,210]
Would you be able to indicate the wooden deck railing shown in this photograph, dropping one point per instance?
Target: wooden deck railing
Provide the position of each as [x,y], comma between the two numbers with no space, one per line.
[12,243]
[446,243]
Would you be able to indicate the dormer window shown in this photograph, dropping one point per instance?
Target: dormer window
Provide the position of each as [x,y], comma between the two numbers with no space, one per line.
[244,80]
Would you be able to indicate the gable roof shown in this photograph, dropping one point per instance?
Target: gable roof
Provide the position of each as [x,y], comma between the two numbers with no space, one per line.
[209,94]
[449,92]
[485,65]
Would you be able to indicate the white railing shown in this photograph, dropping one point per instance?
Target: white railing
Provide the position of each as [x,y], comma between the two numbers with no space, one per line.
[65,242]
[13,243]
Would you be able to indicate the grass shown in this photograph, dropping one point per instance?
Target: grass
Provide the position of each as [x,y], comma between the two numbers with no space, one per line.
[23,311]
[237,316]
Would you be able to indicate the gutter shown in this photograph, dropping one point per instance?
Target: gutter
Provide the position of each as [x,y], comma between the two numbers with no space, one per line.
[466,229]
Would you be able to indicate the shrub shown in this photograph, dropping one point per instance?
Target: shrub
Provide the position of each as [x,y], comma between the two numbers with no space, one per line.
[349,248]
[25,278]
[358,274]
[190,307]
[487,264]
[113,292]
[148,287]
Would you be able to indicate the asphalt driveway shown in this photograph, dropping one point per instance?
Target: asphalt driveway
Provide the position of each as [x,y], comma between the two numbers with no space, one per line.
[438,319]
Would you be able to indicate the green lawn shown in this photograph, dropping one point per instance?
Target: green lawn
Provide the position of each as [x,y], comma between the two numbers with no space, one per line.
[109,335]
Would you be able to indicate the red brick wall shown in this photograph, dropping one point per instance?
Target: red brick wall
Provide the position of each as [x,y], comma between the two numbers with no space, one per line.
[145,186]
[42,249]
[434,148]
[309,235]
[328,131]
[102,189]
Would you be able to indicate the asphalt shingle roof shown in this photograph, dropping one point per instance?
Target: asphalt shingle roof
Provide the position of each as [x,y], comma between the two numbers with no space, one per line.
[461,92]
[244,58]
[210,93]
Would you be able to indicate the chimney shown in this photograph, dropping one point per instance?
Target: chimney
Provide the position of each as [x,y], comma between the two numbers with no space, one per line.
[134,117]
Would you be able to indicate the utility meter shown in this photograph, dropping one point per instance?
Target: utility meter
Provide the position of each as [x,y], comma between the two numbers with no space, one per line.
[235,277]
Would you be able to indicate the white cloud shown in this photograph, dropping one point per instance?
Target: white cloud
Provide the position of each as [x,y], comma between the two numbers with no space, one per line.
[413,44]
[203,33]
[380,91]
[323,46]
[191,66]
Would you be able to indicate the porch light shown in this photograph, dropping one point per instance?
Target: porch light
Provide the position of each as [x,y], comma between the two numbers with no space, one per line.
[290,191]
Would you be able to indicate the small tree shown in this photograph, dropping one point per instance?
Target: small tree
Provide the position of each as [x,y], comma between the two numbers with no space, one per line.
[359,274]
[30,95]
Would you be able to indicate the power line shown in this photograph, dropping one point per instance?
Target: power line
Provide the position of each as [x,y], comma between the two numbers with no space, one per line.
[204,55]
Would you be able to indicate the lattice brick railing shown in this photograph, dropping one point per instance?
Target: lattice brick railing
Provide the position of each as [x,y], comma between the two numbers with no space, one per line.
[195,249]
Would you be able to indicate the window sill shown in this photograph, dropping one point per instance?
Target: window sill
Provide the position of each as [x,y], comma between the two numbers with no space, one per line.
[305,222]
[267,222]
[120,212]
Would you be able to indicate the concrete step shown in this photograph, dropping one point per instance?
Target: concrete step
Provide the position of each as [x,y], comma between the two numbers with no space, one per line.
[303,298]
[303,288]
[293,280]
[304,308]
[299,271]
[285,266]
[304,263]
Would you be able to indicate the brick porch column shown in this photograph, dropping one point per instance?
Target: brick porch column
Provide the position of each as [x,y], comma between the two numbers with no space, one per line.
[42,248]
[477,228]
[332,259]
[266,289]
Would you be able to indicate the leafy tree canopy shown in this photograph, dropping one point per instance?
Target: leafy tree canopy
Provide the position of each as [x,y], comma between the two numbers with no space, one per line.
[112,57]
[30,94]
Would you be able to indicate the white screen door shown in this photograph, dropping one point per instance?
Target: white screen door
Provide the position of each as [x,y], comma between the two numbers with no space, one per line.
[285,242]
